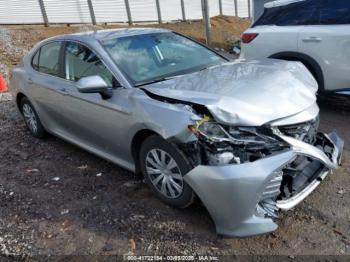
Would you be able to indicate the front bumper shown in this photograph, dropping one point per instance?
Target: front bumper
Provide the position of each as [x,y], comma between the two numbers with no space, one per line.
[232,193]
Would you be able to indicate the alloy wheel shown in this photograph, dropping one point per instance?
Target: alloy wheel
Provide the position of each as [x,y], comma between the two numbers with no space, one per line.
[30,118]
[164,173]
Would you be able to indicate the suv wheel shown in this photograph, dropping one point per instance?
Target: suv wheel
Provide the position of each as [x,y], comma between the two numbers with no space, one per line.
[163,167]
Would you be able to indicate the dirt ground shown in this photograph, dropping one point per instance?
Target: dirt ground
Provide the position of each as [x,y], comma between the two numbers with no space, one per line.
[56,199]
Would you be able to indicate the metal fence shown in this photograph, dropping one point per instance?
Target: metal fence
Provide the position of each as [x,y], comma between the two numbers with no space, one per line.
[109,11]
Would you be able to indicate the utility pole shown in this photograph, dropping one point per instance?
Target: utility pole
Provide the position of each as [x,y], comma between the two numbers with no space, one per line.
[183,10]
[43,12]
[128,12]
[206,19]
[249,10]
[236,8]
[92,13]
[159,13]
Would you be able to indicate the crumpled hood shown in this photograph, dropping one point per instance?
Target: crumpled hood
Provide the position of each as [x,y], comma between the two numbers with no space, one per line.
[248,93]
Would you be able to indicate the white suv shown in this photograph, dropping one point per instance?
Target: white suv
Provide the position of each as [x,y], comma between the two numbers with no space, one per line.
[314,32]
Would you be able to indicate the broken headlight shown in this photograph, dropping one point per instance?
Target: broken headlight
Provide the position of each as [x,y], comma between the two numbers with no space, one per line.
[235,145]
[255,137]
[214,132]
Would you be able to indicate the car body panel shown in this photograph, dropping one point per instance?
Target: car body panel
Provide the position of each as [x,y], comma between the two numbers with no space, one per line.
[270,40]
[329,45]
[231,193]
[309,113]
[268,92]
[226,189]
[230,93]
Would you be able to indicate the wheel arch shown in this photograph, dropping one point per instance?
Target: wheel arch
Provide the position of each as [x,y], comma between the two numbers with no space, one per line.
[136,143]
[19,98]
[311,64]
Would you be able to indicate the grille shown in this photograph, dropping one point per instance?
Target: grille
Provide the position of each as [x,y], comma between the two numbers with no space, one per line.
[306,131]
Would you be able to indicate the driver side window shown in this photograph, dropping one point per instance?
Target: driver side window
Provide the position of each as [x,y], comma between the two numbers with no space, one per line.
[80,62]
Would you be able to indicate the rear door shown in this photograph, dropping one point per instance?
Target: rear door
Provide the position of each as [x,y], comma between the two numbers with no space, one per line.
[328,42]
[45,85]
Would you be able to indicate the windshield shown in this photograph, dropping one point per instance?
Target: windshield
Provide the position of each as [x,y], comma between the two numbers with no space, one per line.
[150,57]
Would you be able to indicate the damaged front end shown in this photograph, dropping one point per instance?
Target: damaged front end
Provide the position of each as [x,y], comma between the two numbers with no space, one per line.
[246,175]
[254,143]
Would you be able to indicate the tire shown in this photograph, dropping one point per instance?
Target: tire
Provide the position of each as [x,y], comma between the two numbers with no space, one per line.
[164,175]
[31,119]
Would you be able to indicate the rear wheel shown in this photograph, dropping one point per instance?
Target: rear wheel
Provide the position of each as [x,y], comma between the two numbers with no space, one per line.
[163,167]
[31,118]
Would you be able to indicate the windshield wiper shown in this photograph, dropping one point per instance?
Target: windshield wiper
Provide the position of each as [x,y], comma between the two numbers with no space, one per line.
[153,81]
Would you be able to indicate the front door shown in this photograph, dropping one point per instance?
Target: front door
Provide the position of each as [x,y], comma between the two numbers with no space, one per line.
[93,122]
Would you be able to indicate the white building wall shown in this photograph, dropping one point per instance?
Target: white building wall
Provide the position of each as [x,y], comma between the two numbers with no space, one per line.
[110,10]
[171,10]
[228,7]
[67,11]
[20,12]
[77,11]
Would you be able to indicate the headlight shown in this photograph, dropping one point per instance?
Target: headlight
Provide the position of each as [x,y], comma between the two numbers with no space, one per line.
[214,132]
[249,135]
[224,145]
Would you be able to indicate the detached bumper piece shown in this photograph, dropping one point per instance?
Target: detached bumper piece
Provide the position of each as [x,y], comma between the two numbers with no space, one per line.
[244,199]
[309,170]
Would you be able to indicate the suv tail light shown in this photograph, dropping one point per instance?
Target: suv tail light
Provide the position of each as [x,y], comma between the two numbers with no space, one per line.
[248,37]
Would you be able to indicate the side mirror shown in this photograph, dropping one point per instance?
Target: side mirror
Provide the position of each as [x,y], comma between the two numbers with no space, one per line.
[94,84]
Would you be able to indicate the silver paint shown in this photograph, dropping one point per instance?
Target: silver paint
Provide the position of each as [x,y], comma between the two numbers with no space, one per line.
[245,93]
[90,83]
[251,93]
[231,193]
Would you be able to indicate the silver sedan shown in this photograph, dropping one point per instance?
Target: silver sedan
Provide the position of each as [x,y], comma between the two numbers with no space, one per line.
[239,136]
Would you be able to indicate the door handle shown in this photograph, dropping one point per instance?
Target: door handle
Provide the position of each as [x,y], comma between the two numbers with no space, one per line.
[312,39]
[30,81]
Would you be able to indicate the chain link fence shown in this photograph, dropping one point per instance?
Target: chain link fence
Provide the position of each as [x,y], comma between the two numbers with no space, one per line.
[110,11]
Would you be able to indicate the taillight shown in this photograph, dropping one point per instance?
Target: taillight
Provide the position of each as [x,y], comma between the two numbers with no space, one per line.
[248,37]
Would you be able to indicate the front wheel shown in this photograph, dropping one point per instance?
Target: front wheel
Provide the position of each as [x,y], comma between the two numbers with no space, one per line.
[163,167]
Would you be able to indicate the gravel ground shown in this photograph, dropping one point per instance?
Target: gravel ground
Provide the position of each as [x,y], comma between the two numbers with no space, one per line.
[57,199]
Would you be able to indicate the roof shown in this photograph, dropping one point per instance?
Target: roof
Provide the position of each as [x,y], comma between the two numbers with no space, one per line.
[112,33]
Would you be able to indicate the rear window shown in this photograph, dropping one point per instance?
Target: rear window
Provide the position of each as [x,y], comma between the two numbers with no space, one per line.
[335,12]
[49,58]
[298,13]
[46,59]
